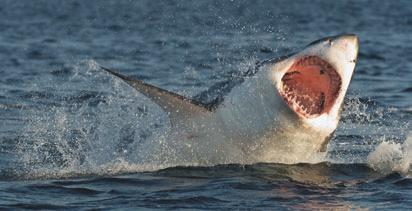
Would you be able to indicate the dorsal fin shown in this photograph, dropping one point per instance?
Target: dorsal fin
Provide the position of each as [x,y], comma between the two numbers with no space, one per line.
[177,106]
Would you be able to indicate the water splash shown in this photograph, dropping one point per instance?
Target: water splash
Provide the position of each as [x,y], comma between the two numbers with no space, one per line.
[94,123]
[89,123]
[365,124]
[391,157]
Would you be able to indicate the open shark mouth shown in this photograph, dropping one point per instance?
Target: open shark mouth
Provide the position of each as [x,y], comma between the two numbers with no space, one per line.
[311,86]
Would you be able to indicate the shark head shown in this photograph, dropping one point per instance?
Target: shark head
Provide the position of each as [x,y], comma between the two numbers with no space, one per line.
[314,81]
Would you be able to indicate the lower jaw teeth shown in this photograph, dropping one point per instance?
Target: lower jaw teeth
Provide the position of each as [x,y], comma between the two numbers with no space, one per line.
[297,103]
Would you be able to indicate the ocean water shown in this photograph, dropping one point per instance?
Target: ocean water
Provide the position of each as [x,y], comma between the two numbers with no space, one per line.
[70,133]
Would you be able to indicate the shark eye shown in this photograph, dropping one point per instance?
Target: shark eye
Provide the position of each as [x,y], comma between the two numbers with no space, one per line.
[330,42]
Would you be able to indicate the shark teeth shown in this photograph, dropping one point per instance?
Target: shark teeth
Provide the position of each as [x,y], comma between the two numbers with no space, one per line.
[310,86]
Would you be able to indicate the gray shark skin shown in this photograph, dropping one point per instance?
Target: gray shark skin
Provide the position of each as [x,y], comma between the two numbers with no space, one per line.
[286,113]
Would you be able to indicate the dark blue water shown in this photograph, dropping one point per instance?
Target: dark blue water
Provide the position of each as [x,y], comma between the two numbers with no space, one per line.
[69,133]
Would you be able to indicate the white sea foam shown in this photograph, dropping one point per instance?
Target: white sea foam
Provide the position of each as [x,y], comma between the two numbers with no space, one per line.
[391,157]
[94,129]
[114,167]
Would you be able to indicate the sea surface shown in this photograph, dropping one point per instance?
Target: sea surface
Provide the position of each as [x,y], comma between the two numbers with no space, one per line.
[69,132]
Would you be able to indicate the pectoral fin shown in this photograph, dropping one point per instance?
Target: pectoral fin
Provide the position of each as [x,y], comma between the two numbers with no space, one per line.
[177,106]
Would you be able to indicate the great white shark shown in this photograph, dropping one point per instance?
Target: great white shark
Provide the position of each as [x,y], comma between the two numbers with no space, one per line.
[285,110]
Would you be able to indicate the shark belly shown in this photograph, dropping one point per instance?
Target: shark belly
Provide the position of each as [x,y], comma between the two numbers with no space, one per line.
[254,124]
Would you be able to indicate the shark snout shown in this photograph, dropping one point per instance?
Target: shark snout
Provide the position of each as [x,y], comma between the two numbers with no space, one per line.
[349,44]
